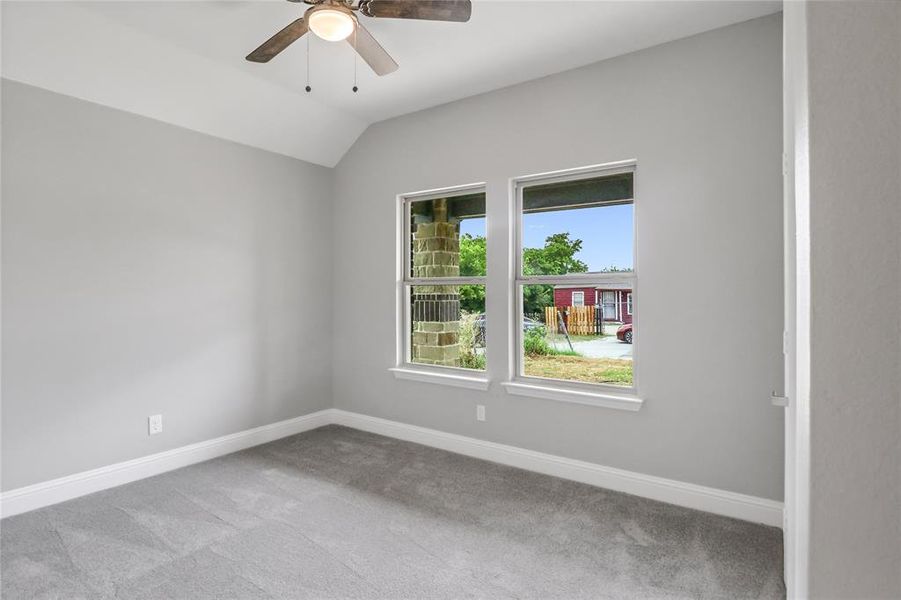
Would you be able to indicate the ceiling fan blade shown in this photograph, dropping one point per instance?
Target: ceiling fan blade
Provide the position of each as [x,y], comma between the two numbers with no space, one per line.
[371,51]
[278,42]
[430,10]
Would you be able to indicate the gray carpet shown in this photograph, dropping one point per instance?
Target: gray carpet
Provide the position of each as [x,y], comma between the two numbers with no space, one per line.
[338,513]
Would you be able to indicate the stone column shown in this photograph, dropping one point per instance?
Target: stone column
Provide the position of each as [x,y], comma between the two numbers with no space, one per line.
[436,308]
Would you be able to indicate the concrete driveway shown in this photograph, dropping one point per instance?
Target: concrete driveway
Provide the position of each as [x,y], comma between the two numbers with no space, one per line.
[602,347]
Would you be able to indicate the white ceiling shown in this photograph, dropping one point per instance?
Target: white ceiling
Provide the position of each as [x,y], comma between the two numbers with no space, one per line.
[183,61]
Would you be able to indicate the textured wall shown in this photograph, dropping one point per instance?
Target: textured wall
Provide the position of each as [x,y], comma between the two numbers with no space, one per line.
[855,225]
[702,116]
[148,269]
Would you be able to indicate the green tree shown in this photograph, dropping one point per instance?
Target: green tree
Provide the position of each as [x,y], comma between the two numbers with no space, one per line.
[472,298]
[557,257]
[615,269]
[472,255]
[535,297]
[472,263]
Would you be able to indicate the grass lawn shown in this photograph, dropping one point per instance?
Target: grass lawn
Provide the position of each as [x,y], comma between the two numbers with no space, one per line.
[579,368]
[559,337]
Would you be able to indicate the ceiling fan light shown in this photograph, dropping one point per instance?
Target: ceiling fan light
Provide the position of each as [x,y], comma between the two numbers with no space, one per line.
[331,24]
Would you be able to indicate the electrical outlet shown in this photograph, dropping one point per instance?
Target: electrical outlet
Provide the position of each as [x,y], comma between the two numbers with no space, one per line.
[480,412]
[154,424]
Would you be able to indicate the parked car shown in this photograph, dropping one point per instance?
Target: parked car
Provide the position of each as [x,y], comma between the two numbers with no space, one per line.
[527,325]
[624,333]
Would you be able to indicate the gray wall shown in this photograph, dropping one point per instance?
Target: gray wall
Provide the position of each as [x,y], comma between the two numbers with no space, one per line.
[855,222]
[148,269]
[703,118]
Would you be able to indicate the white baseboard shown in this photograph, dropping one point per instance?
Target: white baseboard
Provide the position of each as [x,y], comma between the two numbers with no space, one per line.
[35,496]
[730,504]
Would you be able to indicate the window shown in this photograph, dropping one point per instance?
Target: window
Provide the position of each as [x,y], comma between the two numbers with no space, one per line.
[609,305]
[574,230]
[442,290]
[571,319]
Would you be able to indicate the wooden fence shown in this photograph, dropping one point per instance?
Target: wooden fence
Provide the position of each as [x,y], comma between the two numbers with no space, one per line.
[578,320]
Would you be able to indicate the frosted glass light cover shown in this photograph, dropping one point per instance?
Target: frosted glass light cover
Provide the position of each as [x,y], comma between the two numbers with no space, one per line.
[331,25]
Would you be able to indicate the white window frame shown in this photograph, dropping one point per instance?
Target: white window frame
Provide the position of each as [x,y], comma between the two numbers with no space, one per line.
[597,394]
[629,303]
[404,367]
[581,296]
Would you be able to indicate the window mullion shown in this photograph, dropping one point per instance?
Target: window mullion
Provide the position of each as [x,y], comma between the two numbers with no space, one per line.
[586,278]
[446,281]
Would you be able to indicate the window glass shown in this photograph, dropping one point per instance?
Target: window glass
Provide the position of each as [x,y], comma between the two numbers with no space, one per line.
[575,343]
[447,325]
[576,279]
[583,226]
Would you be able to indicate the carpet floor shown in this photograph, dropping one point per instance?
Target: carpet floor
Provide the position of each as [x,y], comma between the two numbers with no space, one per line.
[338,513]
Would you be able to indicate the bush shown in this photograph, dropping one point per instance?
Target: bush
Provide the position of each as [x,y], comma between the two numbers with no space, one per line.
[469,358]
[534,342]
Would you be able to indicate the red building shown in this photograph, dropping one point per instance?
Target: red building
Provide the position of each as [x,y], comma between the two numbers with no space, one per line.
[614,299]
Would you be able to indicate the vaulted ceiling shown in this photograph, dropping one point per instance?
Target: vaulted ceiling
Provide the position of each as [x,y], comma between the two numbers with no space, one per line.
[182,62]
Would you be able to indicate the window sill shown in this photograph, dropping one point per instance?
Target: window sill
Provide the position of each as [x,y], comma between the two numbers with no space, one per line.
[602,399]
[464,381]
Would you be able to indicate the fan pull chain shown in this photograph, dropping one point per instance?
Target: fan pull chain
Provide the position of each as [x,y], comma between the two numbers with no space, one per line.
[308,88]
[356,55]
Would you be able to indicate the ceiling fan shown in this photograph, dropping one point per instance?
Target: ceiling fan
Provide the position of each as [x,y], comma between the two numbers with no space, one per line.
[337,20]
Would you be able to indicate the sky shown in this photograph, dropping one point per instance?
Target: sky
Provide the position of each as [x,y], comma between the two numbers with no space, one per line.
[605,231]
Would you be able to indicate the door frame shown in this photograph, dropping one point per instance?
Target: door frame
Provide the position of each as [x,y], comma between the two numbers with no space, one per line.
[796,337]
